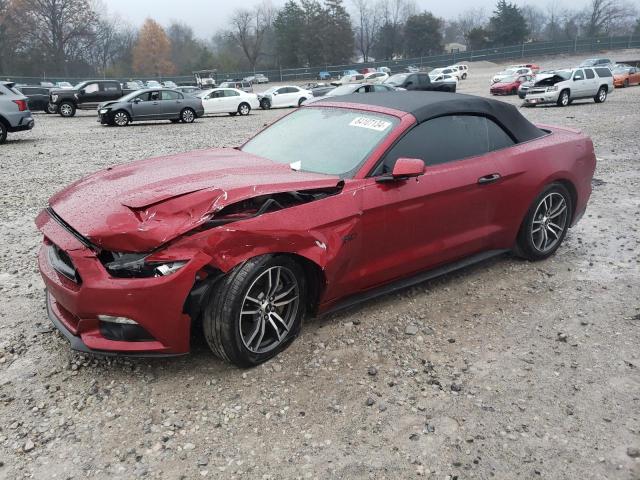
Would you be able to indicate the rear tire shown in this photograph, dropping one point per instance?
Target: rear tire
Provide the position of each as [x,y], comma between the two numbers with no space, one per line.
[188,115]
[256,310]
[3,133]
[564,99]
[546,223]
[601,96]
[244,109]
[67,109]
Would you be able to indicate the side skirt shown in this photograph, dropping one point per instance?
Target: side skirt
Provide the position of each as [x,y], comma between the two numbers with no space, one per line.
[414,280]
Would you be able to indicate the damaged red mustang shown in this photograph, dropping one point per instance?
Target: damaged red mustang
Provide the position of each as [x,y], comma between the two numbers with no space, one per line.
[333,204]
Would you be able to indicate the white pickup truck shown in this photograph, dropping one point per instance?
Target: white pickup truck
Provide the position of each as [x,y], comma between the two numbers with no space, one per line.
[564,86]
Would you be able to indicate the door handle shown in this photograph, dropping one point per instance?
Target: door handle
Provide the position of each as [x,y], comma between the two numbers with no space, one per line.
[494,177]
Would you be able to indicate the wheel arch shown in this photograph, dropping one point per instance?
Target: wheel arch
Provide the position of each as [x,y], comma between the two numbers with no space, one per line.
[4,122]
[568,184]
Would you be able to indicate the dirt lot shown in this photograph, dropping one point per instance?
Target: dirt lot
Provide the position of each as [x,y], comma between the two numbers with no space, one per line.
[508,370]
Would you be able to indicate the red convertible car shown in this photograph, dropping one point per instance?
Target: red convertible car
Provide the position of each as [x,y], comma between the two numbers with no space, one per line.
[509,86]
[334,203]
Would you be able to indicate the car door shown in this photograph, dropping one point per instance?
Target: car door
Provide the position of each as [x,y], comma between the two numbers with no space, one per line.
[579,86]
[89,95]
[444,215]
[231,100]
[109,91]
[634,76]
[214,101]
[171,103]
[147,106]
[280,97]
[591,82]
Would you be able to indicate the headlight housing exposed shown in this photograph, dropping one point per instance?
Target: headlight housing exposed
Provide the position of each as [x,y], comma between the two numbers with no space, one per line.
[136,265]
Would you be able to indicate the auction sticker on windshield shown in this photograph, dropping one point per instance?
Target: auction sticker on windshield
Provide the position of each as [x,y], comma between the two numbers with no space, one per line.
[370,123]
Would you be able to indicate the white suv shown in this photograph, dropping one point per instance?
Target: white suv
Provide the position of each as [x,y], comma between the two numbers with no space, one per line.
[564,86]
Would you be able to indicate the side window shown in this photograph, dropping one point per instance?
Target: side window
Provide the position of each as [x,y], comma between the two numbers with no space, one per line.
[589,73]
[412,80]
[380,88]
[154,96]
[283,90]
[447,139]
[603,72]
[578,75]
[217,94]
[144,97]
[110,87]
[92,88]
[231,93]
[169,95]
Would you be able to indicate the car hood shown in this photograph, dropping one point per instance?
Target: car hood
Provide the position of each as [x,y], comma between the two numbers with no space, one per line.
[140,206]
[504,84]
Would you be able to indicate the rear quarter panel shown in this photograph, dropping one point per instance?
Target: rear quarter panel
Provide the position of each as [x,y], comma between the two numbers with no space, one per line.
[563,155]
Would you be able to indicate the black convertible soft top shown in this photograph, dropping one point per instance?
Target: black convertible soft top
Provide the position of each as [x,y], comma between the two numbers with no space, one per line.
[427,105]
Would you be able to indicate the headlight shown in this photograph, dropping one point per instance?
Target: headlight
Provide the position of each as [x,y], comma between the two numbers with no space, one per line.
[554,88]
[103,111]
[136,265]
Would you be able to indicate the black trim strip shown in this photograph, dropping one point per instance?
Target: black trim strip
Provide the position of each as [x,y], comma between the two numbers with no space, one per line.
[71,230]
[414,280]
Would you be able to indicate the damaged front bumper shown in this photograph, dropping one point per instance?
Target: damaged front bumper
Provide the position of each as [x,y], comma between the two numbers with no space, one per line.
[101,314]
[538,98]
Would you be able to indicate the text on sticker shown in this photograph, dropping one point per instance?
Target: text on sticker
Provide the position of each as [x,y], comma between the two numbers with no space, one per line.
[371,123]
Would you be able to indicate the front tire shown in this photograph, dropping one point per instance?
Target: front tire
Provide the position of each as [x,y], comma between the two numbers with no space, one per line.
[301,101]
[626,83]
[67,109]
[601,96]
[244,109]
[564,99]
[121,118]
[546,223]
[265,104]
[188,115]
[51,108]
[3,133]
[256,310]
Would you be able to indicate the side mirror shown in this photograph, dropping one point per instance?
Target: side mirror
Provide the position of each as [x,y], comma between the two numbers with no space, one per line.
[275,93]
[136,100]
[403,169]
[83,91]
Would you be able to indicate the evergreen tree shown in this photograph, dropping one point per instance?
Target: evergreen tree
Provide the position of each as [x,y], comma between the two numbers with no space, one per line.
[338,36]
[289,31]
[423,35]
[507,26]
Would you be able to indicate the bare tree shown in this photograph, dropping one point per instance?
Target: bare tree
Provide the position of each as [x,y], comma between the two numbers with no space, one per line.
[368,24]
[536,20]
[250,28]
[470,19]
[604,16]
[62,28]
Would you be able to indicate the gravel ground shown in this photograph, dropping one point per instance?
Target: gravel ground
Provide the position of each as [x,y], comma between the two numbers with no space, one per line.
[506,370]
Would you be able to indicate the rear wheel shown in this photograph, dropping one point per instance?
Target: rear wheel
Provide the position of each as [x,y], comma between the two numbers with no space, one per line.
[256,310]
[188,115]
[67,109]
[546,223]
[601,96]
[121,118]
[3,133]
[564,99]
[244,109]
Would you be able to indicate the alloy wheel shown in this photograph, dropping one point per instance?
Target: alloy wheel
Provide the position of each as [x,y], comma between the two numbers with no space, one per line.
[66,109]
[244,109]
[120,119]
[187,116]
[269,309]
[565,99]
[602,95]
[549,222]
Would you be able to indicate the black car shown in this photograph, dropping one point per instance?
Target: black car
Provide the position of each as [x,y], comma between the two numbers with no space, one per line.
[86,96]
[419,81]
[37,98]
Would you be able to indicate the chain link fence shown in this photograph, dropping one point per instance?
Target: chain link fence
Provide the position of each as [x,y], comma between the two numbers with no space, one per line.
[528,51]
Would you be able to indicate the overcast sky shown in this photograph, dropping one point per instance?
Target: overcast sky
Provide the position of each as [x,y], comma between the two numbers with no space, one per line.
[208,16]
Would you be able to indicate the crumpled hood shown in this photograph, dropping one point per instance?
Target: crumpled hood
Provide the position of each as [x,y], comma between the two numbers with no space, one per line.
[139,206]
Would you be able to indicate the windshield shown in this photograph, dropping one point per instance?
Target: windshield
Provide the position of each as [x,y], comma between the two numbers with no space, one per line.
[621,69]
[397,79]
[566,74]
[333,141]
[130,96]
[270,90]
[588,63]
[78,86]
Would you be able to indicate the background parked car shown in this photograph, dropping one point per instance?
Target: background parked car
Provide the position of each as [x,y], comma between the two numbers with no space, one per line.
[14,111]
[258,78]
[353,88]
[151,104]
[286,96]
[131,86]
[189,90]
[349,78]
[510,72]
[366,70]
[598,62]
[464,71]
[419,81]
[169,84]
[152,84]
[375,77]
[319,89]
[564,86]
[625,75]
[324,76]
[509,86]
[444,78]
[386,70]
[37,98]
[85,96]
[228,100]
[63,85]
[239,84]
